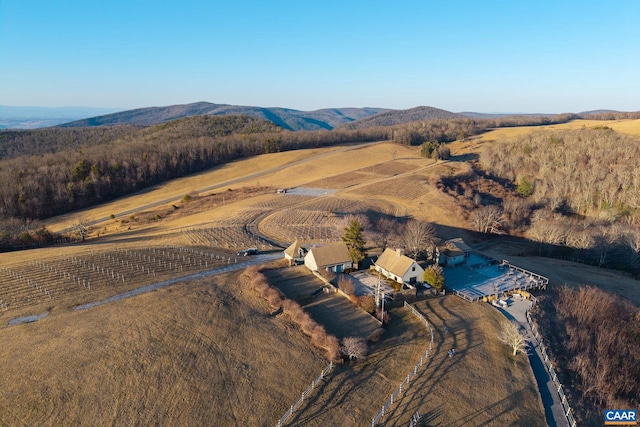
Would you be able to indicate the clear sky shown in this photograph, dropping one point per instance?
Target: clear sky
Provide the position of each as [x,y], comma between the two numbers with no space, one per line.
[485,56]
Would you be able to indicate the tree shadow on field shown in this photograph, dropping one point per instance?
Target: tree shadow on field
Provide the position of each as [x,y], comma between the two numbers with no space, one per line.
[504,406]
[438,366]
[333,392]
[430,418]
[469,157]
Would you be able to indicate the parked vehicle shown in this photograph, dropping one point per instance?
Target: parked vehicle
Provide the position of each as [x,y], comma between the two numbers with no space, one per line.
[247,252]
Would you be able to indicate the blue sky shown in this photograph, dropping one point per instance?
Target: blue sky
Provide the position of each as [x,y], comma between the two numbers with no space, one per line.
[486,56]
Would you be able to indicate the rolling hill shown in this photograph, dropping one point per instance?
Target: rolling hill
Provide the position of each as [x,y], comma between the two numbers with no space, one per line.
[289,119]
[398,117]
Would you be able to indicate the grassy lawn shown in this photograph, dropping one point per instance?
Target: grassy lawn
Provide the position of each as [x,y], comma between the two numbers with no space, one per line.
[337,314]
[482,385]
[355,392]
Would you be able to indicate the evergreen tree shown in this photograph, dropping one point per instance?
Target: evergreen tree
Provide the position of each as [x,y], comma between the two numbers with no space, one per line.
[354,238]
[525,187]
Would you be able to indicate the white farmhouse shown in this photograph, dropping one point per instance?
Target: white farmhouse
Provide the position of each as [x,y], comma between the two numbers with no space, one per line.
[393,265]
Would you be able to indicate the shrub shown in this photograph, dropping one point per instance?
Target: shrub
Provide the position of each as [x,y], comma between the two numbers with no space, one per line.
[354,299]
[258,282]
[274,297]
[367,303]
[346,285]
[354,347]
[434,276]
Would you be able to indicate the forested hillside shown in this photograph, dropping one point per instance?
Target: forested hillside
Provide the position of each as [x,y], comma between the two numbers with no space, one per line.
[15,143]
[83,167]
[578,190]
[397,117]
[595,343]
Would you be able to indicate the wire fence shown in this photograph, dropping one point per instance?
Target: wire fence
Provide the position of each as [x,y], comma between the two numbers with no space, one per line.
[305,394]
[552,372]
[396,394]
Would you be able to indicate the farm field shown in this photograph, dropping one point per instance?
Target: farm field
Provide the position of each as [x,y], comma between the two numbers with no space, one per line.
[480,386]
[355,392]
[58,279]
[630,127]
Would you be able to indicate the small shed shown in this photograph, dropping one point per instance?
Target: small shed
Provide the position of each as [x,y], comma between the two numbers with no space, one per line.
[334,258]
[453,252]
[295,253]
[394,265]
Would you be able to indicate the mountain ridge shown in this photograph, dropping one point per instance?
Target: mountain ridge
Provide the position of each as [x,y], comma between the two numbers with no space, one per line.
[286,118]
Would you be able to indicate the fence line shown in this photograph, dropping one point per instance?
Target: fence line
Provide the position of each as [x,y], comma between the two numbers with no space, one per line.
[542,279]
[414,371]
[305,394]
[552,372]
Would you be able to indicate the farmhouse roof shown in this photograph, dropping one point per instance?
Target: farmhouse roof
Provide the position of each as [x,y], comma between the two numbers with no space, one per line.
[394,262]
[330,254]
[455,247]
[293,250]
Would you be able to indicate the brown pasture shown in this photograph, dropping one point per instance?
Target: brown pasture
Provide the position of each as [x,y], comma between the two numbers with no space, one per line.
[199,353]
[482,385]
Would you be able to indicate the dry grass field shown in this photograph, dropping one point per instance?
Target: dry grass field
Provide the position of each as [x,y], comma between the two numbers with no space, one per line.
[482,385]
[199,353]
[206,352]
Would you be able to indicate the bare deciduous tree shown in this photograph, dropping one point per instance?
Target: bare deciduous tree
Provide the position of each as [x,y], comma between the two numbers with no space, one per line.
[354,347]
[512,336]
[487,219]
[419,236]
[81,228]
[386,232]
[346,285]
[632,240]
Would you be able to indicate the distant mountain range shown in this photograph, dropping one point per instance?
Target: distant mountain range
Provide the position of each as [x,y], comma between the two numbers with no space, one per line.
[290,119]
[329,118]
[285,118]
